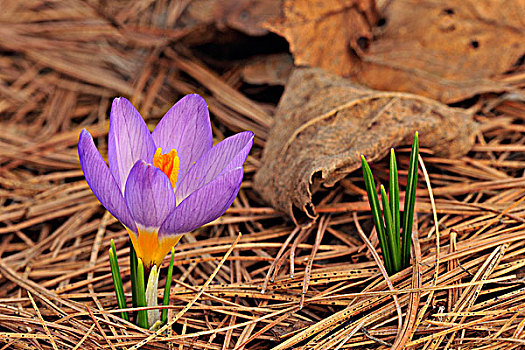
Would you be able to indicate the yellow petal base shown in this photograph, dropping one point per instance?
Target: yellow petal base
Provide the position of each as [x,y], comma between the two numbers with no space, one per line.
[149,247]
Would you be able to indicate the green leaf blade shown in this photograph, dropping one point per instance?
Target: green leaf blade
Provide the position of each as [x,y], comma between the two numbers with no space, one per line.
[394,195]
[141,296]
[390,233]
[373,200]
[117,280]
[167,287]
[410,200]
[133,268]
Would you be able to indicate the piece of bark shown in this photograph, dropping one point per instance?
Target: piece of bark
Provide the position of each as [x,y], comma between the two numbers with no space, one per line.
[324,123]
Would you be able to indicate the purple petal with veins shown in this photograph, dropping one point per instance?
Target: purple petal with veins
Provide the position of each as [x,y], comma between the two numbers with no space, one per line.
[226,155]
[185,127]
[149,195]
[129,140]
[102,182]
[204,205]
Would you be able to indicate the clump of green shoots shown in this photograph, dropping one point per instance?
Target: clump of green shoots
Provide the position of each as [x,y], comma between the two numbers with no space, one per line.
[138,290]
[395,244]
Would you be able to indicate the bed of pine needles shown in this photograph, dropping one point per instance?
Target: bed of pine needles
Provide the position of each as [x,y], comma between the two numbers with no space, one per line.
[273,287]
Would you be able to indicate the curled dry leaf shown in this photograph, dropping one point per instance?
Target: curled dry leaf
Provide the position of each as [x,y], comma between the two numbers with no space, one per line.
[324,123]
[326,34]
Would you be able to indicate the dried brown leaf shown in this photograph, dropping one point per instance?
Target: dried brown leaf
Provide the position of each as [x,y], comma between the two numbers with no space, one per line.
[326,34]
[271,69]
[324,123]
[447,50]
[244,15]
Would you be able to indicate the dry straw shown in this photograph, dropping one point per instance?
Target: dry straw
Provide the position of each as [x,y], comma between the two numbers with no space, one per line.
[55,282]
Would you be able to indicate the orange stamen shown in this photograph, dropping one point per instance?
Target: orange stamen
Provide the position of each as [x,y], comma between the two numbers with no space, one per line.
[168,163]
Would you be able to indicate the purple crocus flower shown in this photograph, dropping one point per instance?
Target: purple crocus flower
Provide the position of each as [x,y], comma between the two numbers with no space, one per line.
[163,184]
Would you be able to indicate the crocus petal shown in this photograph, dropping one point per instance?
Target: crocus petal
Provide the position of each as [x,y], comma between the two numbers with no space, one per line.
[224,156]
[185,127]
[101,181]
[129,140]
[149,195]
[204,205]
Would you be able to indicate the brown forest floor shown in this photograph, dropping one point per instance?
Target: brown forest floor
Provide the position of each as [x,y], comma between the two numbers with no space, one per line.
[465,290]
